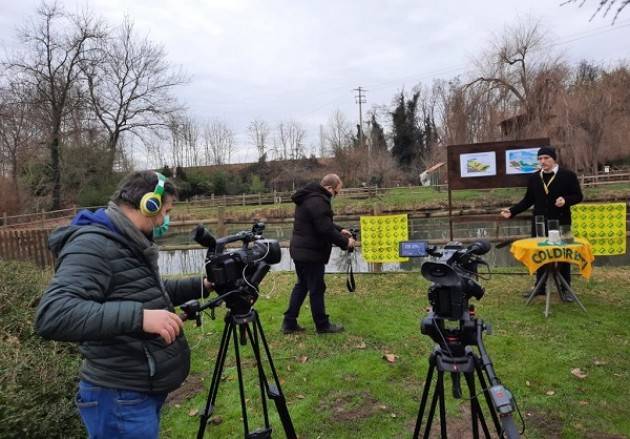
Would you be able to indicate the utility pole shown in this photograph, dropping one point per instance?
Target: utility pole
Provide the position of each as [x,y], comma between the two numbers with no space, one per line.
[360,99]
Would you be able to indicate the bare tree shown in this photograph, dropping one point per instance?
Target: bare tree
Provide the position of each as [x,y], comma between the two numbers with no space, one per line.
[338,132]
[55,45]
[596,106]
[17,132]
[521,76]
[259,132]
[184,141]
[289,142]
[130,86]
[603,5]
[218,142]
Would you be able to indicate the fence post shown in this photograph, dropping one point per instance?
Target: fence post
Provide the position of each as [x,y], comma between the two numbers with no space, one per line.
[5,220]
[221,221]
[212,198]
[243,199]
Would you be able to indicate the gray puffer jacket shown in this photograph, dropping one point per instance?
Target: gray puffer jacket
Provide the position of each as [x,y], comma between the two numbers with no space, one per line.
[100,288]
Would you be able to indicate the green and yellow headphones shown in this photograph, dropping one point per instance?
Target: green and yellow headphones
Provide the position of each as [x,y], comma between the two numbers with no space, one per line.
[151,202]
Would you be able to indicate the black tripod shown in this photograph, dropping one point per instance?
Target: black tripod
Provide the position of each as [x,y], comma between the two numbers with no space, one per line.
[498,399]
[249,328]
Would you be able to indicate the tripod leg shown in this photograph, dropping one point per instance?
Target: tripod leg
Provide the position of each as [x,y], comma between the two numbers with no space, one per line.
[475,408]
[554,275]
[442,404]
[216,377]
[548,297]
[241,386]
[541,282]
[262,378]
[484,387]
[434,400]
[570,291]
[423,400]
[274,390]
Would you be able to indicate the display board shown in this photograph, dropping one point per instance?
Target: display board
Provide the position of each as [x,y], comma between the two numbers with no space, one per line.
[492,164]
[604,225]
[380,235]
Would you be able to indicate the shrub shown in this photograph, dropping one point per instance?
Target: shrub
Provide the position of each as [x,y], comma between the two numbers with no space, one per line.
[38,378]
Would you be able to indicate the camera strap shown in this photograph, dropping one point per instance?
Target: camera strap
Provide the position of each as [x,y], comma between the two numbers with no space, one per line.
[350,283]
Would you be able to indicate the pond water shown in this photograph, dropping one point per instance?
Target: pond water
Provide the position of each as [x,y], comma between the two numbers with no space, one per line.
[191,261]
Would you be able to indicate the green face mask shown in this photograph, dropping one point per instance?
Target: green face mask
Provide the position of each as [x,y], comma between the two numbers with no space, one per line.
[160,231]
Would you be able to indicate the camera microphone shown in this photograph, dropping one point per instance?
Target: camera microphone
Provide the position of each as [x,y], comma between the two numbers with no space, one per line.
[203,237]
[479,248]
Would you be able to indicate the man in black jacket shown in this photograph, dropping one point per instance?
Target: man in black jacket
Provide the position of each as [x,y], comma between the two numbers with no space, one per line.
[314,233]
[552,191]
[107,295]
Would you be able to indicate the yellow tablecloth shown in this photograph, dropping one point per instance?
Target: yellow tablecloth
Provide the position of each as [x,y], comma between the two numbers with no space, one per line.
[533,255]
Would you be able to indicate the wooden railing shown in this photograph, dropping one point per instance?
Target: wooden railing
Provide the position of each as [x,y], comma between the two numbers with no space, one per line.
[47,219]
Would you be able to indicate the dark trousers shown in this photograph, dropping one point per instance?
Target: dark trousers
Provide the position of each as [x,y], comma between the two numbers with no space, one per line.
[565,271]
[310,281]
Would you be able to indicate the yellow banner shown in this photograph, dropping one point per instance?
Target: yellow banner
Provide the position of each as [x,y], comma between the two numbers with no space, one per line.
[380,236]
[534,255]
[604,225]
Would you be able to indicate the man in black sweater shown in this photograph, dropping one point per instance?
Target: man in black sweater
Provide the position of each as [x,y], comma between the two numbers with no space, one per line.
[552,191]
[314,233]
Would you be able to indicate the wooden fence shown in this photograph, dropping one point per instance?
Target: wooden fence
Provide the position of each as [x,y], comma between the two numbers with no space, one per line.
[48,219]
[26,245]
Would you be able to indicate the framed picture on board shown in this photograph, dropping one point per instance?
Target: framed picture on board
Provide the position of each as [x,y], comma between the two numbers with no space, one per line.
[521,161]
[478,164]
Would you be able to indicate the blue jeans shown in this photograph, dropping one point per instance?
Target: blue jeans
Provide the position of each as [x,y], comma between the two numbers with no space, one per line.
[118,413]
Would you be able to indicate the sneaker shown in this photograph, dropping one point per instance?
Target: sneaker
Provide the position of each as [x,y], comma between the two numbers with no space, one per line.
[291,329]
[565,296]
[331,328]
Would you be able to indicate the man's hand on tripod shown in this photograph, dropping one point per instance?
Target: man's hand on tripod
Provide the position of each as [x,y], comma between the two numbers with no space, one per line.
[163,323]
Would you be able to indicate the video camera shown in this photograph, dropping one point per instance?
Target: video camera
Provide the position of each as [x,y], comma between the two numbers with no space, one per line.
[236,273]
[454,282]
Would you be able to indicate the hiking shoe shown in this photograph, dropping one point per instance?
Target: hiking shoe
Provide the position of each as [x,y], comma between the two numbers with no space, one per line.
[291,329]
[331,328]
[565,296]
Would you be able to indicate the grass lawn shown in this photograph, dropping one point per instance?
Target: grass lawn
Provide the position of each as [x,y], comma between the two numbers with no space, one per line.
[340,386]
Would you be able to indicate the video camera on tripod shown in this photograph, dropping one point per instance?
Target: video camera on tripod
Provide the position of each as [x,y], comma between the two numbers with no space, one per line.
[235,273]
[454,280]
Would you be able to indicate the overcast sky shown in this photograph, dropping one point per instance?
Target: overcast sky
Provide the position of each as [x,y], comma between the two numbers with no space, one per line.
[297,59]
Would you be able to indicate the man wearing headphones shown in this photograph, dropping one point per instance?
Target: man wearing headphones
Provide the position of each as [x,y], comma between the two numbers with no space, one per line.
[107,295]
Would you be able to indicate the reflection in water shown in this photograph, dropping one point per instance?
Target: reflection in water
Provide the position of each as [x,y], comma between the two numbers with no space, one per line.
[191,261]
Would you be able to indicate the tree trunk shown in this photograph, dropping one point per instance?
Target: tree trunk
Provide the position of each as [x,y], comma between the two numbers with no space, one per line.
[16,187]
[56,172]
[112,143]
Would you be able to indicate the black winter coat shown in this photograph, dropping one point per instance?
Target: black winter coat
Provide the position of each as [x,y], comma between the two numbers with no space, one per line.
[314,231]
[97,296]
[565,184]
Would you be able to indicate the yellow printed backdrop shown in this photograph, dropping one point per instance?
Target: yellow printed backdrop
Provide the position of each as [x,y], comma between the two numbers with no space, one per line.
[380,236]
[604,225]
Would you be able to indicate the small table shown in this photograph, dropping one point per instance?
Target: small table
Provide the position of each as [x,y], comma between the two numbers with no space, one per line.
[535,253]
